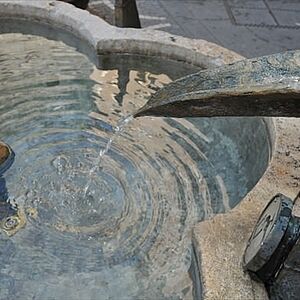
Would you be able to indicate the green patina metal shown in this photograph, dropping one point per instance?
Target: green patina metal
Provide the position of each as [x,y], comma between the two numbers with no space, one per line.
[264,86]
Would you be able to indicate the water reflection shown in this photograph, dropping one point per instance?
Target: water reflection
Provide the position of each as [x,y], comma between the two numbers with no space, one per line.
[131,236]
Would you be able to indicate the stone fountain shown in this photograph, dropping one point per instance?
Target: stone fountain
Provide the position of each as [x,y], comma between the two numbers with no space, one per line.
[219,242]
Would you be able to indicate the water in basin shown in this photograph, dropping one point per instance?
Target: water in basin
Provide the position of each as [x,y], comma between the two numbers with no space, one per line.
[129,237]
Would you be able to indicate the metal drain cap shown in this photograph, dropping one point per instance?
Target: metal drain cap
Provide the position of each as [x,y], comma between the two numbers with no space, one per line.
[267,235]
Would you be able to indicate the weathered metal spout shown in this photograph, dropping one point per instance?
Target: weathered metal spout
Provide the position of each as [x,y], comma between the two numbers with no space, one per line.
[266,86]
[12,218]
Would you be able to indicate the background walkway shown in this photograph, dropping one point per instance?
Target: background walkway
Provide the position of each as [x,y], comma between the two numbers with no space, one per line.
[249,27]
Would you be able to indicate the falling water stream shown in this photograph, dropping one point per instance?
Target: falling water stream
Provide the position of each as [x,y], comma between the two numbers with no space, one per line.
[114,224]
[118,129]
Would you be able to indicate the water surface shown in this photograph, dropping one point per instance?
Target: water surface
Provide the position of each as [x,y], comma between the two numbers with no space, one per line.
[129,237]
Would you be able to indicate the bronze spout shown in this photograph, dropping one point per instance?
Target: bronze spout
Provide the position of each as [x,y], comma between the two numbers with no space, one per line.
[6,157]
[4,152]
[266,86]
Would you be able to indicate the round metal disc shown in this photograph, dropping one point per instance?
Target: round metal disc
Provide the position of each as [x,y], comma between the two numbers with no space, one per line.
[268,233]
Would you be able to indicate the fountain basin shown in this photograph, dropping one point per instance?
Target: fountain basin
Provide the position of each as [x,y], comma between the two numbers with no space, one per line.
[219,243]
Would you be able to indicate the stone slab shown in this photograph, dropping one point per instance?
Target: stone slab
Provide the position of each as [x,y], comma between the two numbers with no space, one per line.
[291,5]
[247,3]
[252,16]
[288,18]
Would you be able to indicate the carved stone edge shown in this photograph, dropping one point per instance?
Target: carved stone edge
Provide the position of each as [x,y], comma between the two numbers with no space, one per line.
[104,38]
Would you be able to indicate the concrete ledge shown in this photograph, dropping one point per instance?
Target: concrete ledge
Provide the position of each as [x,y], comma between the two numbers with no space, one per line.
[220,242]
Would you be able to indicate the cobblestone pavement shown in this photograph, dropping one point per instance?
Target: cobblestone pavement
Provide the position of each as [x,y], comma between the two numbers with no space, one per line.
[249,27]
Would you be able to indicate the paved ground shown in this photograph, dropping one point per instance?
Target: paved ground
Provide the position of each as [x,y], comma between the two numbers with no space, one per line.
[249,27]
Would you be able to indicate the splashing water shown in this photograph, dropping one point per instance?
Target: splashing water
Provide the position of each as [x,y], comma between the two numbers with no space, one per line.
[117,130]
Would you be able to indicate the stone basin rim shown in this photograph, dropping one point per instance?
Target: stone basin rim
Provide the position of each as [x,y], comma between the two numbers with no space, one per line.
[103,38]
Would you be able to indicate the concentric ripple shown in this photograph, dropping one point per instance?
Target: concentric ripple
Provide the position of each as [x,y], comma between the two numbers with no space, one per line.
[128,237]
